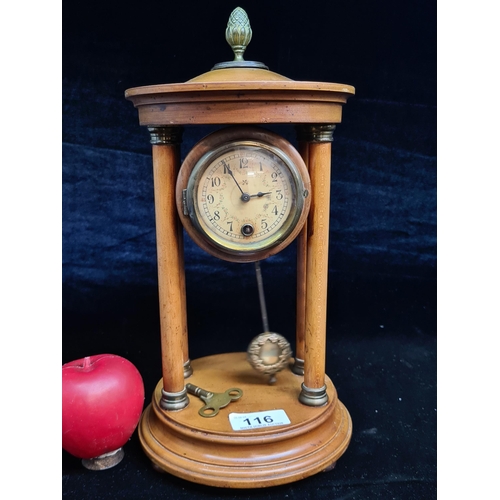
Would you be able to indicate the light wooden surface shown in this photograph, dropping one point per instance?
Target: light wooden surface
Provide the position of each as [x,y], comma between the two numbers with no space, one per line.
[209,451]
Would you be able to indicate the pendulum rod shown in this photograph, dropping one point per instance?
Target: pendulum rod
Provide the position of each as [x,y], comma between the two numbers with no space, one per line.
[262,298]
[269,352]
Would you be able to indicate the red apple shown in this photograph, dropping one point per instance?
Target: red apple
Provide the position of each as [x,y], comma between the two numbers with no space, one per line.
[102,401]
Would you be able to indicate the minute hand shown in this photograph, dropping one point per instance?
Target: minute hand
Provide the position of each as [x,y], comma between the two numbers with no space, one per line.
[244,196]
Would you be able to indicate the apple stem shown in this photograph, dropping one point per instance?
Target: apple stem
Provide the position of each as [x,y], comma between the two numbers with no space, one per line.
[86,362]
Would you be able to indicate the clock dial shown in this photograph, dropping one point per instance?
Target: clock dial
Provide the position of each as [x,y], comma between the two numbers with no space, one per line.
[245,195]
[245,198]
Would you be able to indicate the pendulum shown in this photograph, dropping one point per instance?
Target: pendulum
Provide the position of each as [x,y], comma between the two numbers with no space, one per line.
[268,352]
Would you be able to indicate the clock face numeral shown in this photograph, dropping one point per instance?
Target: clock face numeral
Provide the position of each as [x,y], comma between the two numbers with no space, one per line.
[245,187]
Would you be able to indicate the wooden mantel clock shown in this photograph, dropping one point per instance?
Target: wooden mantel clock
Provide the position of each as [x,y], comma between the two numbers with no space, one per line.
[243,194]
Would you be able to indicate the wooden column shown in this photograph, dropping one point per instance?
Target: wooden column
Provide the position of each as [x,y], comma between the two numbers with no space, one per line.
[171,281]
[188,370]
[313,391]
[298,365]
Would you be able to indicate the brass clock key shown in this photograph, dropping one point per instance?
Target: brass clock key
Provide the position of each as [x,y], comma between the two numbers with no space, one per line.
[214,401]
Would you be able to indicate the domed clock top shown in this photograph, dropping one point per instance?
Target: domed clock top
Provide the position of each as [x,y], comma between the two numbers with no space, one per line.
[232,86]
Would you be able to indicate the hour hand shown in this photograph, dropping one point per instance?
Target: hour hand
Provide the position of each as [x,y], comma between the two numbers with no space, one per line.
[260,194]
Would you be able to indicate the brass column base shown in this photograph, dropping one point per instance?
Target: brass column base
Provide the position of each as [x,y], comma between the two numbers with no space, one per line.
[208,451]
[313,397]
[298,367]
[174,400]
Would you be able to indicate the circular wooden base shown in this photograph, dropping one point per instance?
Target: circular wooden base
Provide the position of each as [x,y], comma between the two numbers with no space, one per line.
[209,451]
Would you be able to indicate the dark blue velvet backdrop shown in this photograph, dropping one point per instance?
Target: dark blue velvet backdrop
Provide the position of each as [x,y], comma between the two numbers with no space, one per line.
[381,351]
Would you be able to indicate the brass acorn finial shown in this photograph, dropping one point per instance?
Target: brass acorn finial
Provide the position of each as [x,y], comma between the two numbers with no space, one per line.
[238,36]
[238,32]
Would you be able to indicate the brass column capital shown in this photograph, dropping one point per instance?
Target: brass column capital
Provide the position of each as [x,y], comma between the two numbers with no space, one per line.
[315,132]
[166,135]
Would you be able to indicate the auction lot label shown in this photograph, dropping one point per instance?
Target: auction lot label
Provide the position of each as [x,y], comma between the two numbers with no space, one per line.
[258,420]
